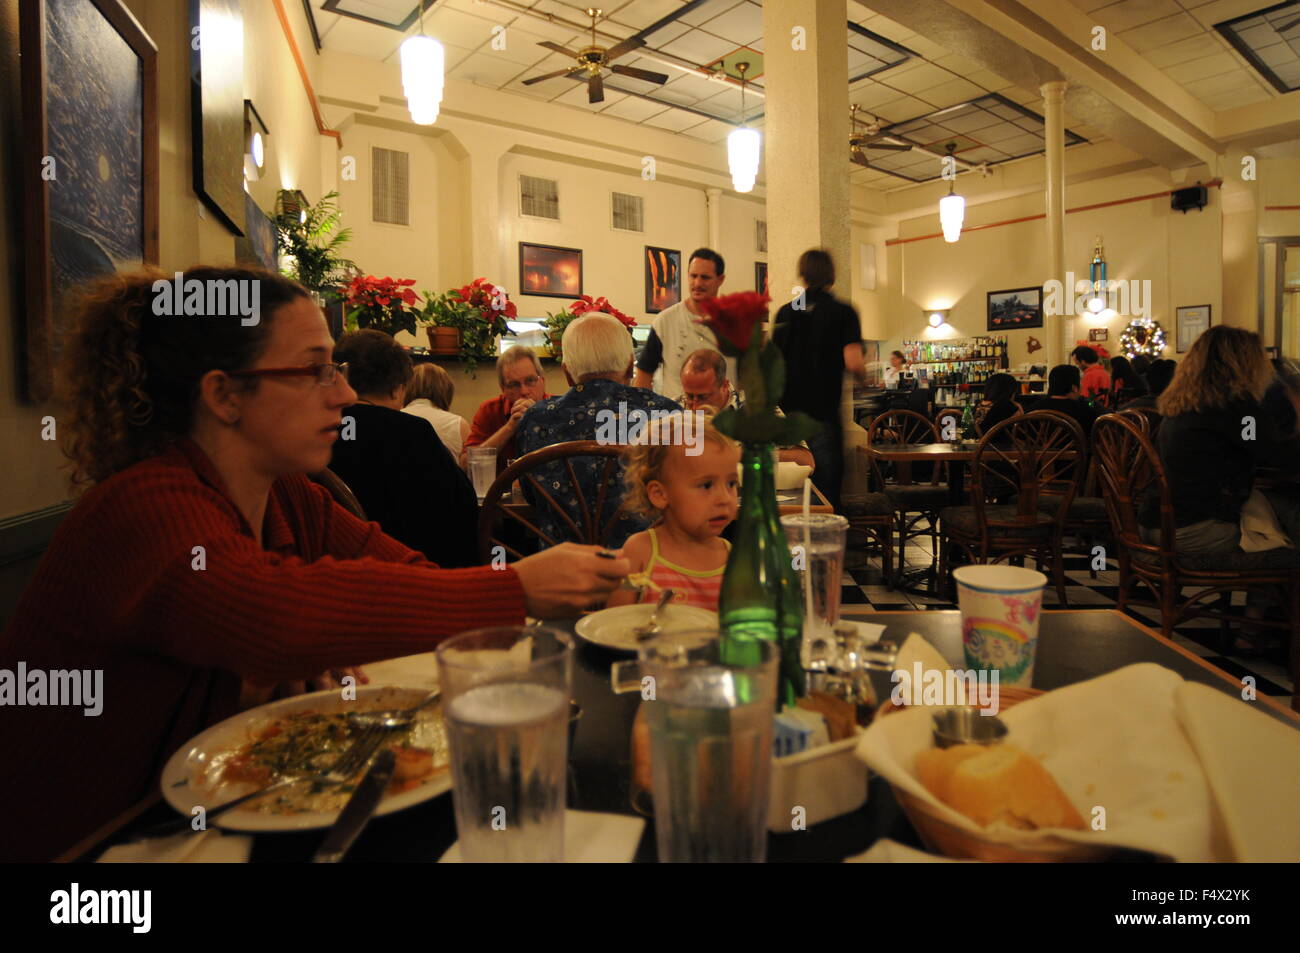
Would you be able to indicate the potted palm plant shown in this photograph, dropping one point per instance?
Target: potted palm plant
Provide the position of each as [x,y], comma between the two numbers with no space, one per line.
[310,243]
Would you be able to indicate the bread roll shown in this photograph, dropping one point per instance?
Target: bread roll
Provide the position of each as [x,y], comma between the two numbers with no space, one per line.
[998,784]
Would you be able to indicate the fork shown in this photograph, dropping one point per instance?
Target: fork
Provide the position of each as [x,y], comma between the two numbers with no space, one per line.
[344,769]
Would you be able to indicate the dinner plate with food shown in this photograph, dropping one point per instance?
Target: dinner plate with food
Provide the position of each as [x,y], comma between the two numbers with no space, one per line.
[301,735]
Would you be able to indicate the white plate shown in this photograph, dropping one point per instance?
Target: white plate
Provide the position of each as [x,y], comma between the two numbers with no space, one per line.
[182,776]
[613,628]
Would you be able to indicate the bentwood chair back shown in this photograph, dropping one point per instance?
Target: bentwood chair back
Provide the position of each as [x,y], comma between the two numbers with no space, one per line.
[1133,476]
[942,418]
[339,490]
[902,428]
[550,479]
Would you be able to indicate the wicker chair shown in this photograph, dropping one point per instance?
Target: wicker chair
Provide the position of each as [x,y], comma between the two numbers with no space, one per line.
[914,496]
[1131,470]
[942,417]
[588,526]
[1025,458]
[339,490]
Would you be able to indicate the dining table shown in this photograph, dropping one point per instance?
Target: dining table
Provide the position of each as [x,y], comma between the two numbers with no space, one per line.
[1074,646]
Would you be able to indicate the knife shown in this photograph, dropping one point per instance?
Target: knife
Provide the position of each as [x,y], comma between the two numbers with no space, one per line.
[355,814]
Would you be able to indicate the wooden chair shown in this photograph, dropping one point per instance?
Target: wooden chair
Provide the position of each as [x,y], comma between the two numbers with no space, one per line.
[1130,470]
[941,421]
[1026,457]
[979,424]
[588,525]
[914,496]
[873,514]
[339,490]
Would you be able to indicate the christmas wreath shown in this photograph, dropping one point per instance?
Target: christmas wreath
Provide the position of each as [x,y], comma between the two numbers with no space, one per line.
[1142,336]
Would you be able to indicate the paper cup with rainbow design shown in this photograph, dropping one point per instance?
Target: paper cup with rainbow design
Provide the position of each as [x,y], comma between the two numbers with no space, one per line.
[1000,606]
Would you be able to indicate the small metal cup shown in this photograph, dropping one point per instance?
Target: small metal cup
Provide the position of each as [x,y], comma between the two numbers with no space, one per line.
[966,726]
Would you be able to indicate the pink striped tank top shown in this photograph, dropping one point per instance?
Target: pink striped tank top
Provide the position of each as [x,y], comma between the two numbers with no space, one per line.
[694,587]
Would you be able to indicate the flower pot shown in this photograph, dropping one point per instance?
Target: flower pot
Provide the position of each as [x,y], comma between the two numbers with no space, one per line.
[444,341]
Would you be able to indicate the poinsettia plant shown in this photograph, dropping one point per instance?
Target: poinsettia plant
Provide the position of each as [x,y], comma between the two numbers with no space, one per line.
[479,310]
[554,325]
[384,304]
[737,322]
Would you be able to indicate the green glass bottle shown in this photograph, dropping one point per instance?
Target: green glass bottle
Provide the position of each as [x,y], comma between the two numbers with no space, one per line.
[760,599]
[968,420]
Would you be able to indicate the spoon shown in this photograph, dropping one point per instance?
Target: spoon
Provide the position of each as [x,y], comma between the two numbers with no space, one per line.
[651,628]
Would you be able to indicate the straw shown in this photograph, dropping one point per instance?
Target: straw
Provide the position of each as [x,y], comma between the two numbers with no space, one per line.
[807,548]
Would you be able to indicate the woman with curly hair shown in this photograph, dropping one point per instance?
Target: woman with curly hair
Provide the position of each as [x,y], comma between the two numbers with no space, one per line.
[201,557]
[1214,435]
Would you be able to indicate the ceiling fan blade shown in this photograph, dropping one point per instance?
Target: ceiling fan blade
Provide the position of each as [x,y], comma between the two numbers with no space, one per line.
[856,156]
[637,73]
[595,89]
[557,48]
[624,46]
[889,146]
[559,72]
[1288,26]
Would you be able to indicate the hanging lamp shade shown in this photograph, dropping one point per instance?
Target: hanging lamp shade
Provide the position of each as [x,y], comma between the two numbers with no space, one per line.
[423,62]
[952,212]
[743,148]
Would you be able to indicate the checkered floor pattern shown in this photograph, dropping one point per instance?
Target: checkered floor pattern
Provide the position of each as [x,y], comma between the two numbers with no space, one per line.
[864,584]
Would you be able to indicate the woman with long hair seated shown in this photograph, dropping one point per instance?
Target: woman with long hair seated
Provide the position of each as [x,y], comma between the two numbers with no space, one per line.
[1215,433]
[201,557]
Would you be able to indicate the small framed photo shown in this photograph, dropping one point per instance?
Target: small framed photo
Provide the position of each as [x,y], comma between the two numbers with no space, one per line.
[1015,308]
[1191,322]
[663,278]
[1098,334]
[760,277]
[550,271]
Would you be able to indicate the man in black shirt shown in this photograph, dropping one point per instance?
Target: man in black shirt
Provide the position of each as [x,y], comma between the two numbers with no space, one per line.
[820,341]
[1063,397]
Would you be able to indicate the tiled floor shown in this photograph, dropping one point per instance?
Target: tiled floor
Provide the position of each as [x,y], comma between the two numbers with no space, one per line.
[864,584]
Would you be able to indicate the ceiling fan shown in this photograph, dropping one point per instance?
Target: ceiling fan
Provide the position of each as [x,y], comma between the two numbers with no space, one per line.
[591,59]
[869,138]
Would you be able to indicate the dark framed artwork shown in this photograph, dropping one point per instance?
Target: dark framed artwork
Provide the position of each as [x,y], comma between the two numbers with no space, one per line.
[217,108]
[550,271]
[257,245]
[1192,321]
[760,277]
[1015,308]
[89,161]
[663,278]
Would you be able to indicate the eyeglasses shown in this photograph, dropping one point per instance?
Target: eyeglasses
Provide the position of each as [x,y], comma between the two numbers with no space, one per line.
[325,374]
[530,381]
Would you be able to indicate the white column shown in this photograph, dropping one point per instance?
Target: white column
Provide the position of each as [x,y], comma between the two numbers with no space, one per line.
[1060,340]
[713,199]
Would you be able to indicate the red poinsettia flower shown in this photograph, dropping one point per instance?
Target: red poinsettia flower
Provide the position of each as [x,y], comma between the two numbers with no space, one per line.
[587,305]
[733,318]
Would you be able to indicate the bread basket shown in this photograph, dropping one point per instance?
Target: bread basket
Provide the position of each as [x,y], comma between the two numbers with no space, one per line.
[942,837]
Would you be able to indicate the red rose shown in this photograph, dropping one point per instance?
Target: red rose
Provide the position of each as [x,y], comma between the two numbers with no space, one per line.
[733,318]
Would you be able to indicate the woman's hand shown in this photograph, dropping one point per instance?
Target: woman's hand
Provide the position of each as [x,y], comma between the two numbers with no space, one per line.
[565,579]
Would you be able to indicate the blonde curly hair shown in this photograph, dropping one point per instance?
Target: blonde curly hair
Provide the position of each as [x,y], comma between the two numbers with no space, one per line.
[1225,365]
[644,462]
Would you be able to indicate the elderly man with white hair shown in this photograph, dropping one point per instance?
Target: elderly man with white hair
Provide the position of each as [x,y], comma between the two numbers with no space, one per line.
[598,366]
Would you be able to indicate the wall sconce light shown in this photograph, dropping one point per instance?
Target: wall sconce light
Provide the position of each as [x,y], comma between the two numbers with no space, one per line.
[937,316]
[255,136]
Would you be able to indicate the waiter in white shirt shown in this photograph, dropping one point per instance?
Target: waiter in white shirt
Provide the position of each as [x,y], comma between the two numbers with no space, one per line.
[677,331]
[896,364]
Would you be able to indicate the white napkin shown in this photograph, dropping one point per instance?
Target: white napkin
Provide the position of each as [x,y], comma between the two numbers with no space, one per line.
[202,847]
[410,671]
[916,650]
[886,851]
[589,838]
[1152,751]
[869,632]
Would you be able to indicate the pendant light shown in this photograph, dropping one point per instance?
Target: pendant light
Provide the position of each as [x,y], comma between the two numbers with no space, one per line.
[423,61]
[743,146]
[952,207]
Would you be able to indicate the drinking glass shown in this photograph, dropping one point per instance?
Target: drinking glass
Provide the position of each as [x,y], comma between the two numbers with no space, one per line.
[710,745]
[822,569]
[1000,607]
[482,469]
[506,700]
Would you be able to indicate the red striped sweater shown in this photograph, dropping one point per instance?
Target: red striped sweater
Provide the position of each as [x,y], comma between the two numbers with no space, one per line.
[118,590]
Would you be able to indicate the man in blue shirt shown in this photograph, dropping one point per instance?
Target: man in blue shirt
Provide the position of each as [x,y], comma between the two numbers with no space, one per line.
[600,405]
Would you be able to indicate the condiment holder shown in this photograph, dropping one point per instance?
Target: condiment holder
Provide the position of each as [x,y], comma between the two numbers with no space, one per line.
[967,726]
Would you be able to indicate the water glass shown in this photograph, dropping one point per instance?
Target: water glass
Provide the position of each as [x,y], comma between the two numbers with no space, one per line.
[482,469]
[710,746]
[1000,607]
[506,700]
[820,568]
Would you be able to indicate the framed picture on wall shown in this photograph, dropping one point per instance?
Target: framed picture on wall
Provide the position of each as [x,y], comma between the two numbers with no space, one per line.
[257,246]
[760,277]
[217,109]
[1192,321]
[550,271]
[1015,308]
[663,278]
[89,160]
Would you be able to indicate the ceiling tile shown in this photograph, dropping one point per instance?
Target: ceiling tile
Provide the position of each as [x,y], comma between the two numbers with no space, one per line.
[1124,16]
[987,80]
[634,108]
[886,28]
[872,95]
[950,93]
[897,110]
[742,24]
[521,47]
[490,69]
[452,26]
[1162,32]
[925,47]
[1204,44]
[674,120]
[639,14]
[1203,68]
[923,77]
[707,11]
[1226,83]
[699,47]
